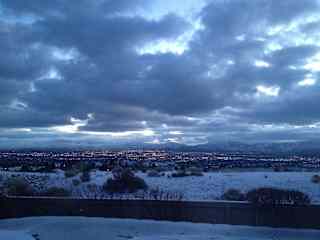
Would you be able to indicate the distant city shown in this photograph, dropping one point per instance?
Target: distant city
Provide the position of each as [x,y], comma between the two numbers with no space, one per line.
[164,159]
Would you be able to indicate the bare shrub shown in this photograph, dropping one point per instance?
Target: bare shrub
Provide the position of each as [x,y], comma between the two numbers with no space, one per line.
[161,195]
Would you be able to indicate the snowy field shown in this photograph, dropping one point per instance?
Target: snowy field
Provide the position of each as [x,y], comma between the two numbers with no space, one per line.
[208,187]
[81,228]
[213,185]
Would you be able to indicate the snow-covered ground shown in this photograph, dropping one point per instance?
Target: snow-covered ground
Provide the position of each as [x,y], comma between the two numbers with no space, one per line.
[208,187]
[213,185]
[81,228]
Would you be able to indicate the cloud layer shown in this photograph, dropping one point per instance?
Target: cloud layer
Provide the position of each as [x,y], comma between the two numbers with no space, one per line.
[140,71]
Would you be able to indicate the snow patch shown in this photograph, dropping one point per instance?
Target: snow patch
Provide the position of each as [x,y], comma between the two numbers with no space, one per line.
[82,228]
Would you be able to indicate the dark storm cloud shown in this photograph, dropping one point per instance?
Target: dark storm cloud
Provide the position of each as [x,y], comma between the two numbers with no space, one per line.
[297,107]
[96,35]
[62,8]
[209,90]
[219,42]
[101,78]
[234,17]
[21,118]
[17,63]
[292,55]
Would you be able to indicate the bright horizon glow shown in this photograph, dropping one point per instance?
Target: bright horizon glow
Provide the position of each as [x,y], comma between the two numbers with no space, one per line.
[76,124]
[175,133]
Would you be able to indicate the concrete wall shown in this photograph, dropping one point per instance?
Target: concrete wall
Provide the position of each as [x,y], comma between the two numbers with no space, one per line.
[206,212]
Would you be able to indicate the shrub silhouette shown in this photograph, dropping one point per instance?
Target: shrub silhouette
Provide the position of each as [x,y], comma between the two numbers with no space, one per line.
[315,179]
[274,196]
[18,187]
[124,180]
[85,176]
[76,182]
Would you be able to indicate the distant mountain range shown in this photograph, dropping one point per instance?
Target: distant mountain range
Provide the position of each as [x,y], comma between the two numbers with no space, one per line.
[304,147]
[286,148]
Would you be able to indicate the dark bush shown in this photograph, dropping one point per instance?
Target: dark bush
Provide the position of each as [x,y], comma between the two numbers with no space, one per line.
[233,195]
[2,191]
[85,167]
[274,196]
[25,168]
[76,182]
[93,187]
[18,187]
[124,180]
[48,168]
[55,192]
[85,176]
[315,179]
[81,167]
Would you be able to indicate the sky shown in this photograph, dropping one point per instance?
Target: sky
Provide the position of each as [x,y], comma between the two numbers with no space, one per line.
[103,72]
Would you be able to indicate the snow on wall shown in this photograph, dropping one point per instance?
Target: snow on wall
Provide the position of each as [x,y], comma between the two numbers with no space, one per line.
[81,228]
